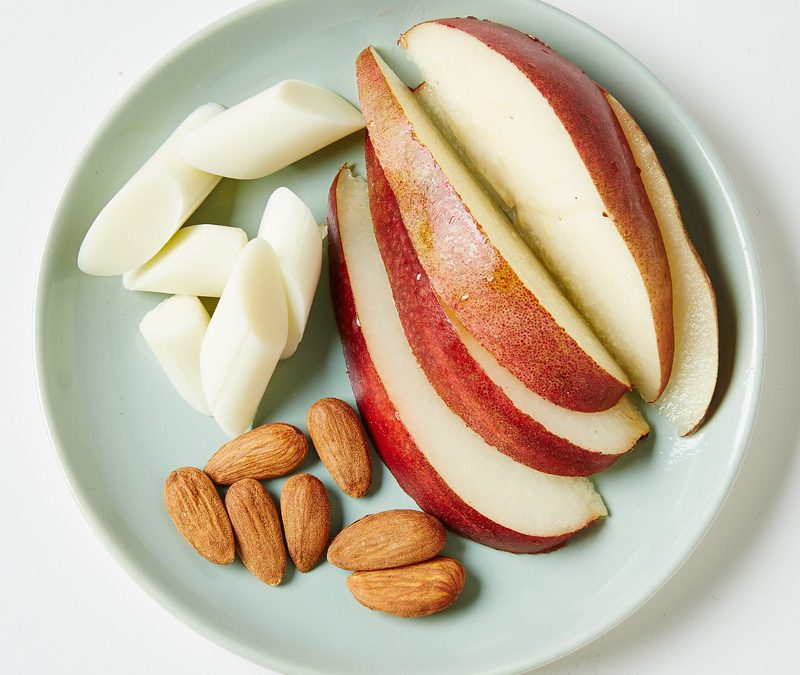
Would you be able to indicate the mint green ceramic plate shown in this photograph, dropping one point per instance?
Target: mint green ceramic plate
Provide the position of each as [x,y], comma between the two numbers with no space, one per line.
[118,427]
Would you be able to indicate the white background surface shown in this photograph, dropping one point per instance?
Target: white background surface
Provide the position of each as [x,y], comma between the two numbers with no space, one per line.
[65,604]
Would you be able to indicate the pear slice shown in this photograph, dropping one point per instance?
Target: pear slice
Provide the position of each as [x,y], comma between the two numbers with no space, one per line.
[477,263]
[688,394]
[541,134]
[439,461]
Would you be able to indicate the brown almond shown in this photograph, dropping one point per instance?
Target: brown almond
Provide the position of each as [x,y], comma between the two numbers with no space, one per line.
[415,590]
[341,444]
[306,514]
[197,511]
[267,451]
[259,538]
[387,539]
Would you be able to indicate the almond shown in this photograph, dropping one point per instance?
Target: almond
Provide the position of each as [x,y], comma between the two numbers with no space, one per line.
[415,590]
[259,539]
[387,539]
[267,451]
[306,514]
[197,511]
[341,444]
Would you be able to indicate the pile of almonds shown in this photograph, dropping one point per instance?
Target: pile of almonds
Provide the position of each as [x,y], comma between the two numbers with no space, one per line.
[394,555]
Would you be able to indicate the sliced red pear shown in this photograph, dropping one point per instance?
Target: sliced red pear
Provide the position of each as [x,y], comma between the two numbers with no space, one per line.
[445,466]
[694,370]
[477,263]
[540,133]
[493,402]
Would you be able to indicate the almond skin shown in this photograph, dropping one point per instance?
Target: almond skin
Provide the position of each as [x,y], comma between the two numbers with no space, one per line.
[306,514]
[195,507]
[341,444]
[388,539]
[259,538]
[415,590]
[267,451]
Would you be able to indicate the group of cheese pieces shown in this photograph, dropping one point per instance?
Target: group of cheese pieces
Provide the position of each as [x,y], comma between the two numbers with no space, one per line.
[221,364]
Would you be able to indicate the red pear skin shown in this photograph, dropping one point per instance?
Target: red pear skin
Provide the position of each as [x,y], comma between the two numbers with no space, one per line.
[456,376]
[467,272]
[391,439]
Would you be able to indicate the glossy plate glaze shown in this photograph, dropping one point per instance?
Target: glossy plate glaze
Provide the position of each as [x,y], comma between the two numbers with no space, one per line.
[119,428]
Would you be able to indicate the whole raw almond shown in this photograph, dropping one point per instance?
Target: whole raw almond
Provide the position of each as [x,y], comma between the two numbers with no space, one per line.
[267,451]
[306,514]
[415,590]
[259,539]
[197,511]
[341,444]
[387,539]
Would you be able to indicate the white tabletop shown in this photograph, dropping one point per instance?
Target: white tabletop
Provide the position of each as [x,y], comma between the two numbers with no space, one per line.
[65,604]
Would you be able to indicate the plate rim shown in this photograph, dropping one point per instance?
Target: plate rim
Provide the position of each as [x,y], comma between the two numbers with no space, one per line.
[755,360]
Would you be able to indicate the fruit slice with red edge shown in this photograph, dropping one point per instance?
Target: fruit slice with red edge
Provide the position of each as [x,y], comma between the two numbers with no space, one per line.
[688,393]
[477,263]
[485,395]
[540,133]
[442,464]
